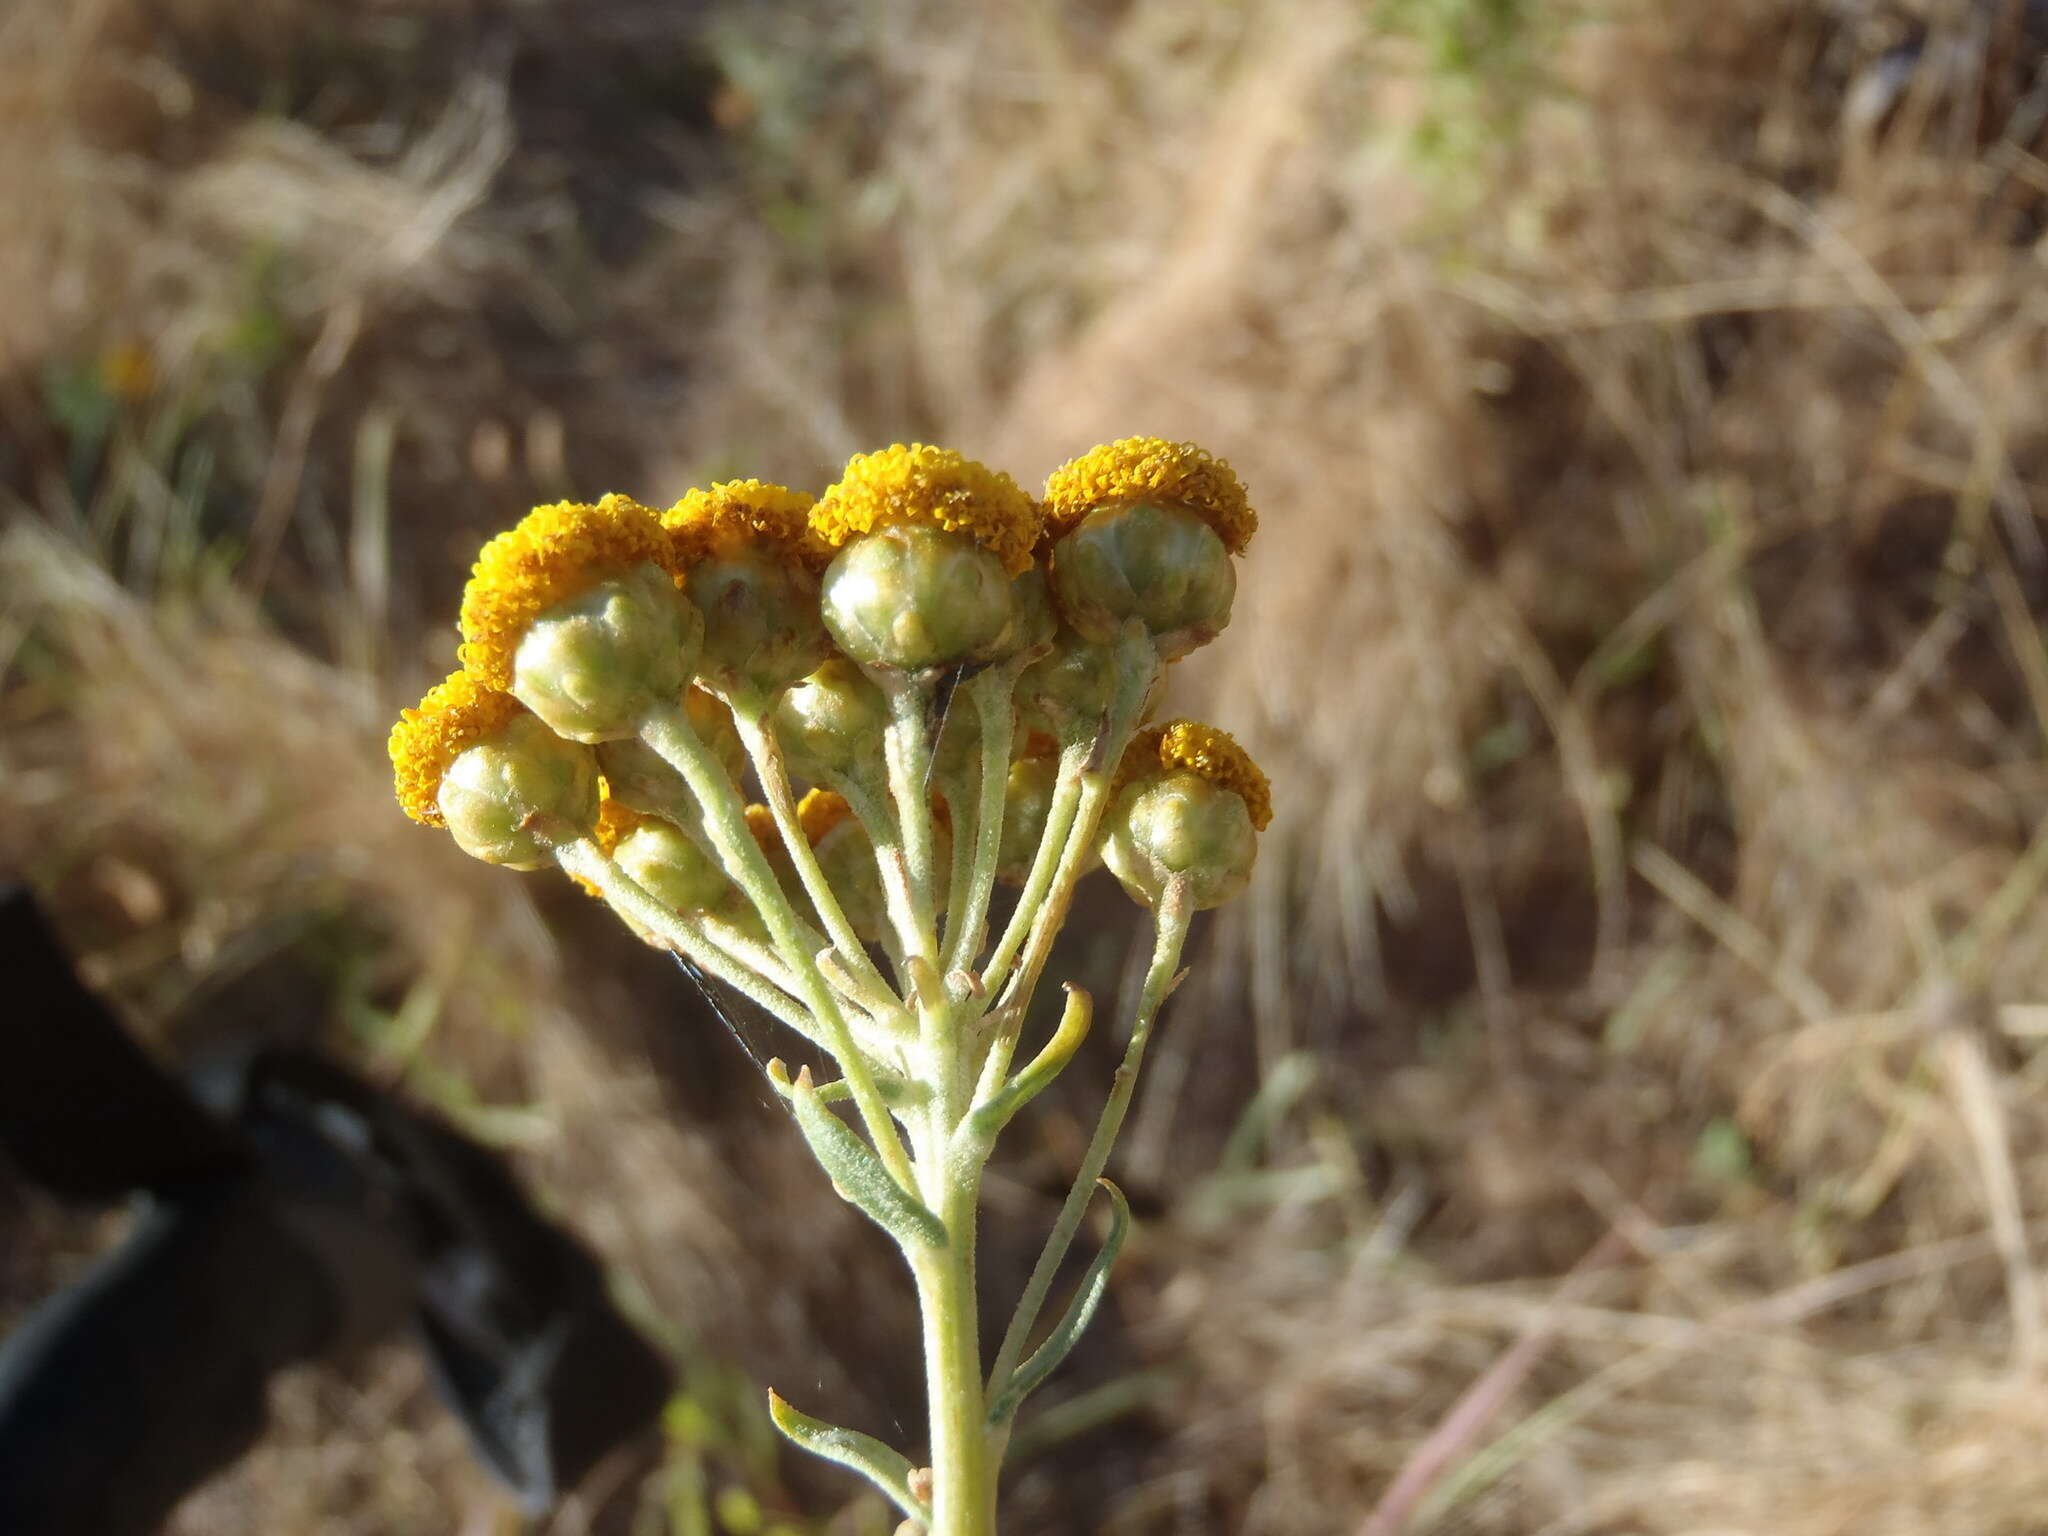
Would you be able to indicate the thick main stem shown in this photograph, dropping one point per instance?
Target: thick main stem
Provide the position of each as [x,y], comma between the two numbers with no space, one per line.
[963,1462]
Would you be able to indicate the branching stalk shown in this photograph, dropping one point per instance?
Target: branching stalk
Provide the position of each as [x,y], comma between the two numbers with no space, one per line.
[1169,934]
[668,731]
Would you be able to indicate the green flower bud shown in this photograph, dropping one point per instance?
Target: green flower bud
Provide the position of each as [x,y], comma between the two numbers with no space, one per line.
[592,665]
[1027,801]
[910,596]
[761,626]
[1161,564]
[512,797]
[830,725]
[1180,824]
[1034,622]
[664,862]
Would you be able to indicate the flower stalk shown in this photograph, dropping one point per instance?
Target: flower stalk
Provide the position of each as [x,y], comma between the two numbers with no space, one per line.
[908,645]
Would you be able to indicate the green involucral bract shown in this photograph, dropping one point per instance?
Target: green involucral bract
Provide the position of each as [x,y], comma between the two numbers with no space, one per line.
[908,598]
[593,665]
[1161,564]
[1180,824]
[511,799]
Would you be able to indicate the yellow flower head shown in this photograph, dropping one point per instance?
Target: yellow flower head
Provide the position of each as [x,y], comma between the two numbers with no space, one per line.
[554,553]
[932,486]
[819,812]
[754,510]
[456,714]
[1136,469]
[1188,746]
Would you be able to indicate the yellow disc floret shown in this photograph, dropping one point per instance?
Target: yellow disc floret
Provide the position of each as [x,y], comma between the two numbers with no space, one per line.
[1215,755]
[614,819]
[819,812]
[1150,469]
[554,553]
[457,713]
[935,487]
[761,823]
[754,510]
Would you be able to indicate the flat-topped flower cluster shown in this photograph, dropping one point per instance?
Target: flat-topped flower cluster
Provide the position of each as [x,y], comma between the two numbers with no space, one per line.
[802,743]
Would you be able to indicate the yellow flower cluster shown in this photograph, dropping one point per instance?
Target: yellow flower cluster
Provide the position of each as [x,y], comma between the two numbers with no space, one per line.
[1135,469]
[559,551]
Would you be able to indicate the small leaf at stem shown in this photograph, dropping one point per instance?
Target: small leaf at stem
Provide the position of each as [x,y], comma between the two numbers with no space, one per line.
[887,1469]
[857,1174]
[1080,1312]
[989,1118]
[896,1092]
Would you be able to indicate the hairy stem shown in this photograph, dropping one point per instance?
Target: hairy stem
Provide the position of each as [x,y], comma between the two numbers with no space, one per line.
[668,731]
[1170,933]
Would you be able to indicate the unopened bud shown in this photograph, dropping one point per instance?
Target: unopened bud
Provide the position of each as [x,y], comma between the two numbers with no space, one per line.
[830,725]
[911,596]
[1160,564]
[593,665]
[1068,694]
[515,796]
[1180,825]
[761,626]
[663,861]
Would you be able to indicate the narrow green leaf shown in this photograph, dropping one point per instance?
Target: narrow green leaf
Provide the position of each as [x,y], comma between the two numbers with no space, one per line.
[1080,1312]
[989,1118]
[889,1470]
[856,1172]
[896,1092]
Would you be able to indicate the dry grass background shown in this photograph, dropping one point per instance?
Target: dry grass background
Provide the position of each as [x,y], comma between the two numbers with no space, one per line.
[1621,1097]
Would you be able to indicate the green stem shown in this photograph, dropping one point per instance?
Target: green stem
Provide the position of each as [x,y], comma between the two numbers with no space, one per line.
[962,790]
[964,1462]
[1052,843]
[876,813]
[1170,934]
[907,747]
[667,730]
[967,923]
[625,896]
[1138,667]
[766,754]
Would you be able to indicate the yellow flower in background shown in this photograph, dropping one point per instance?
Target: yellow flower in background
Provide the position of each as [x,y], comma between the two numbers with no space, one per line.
[1151,469]
[819,812]
[918,484]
